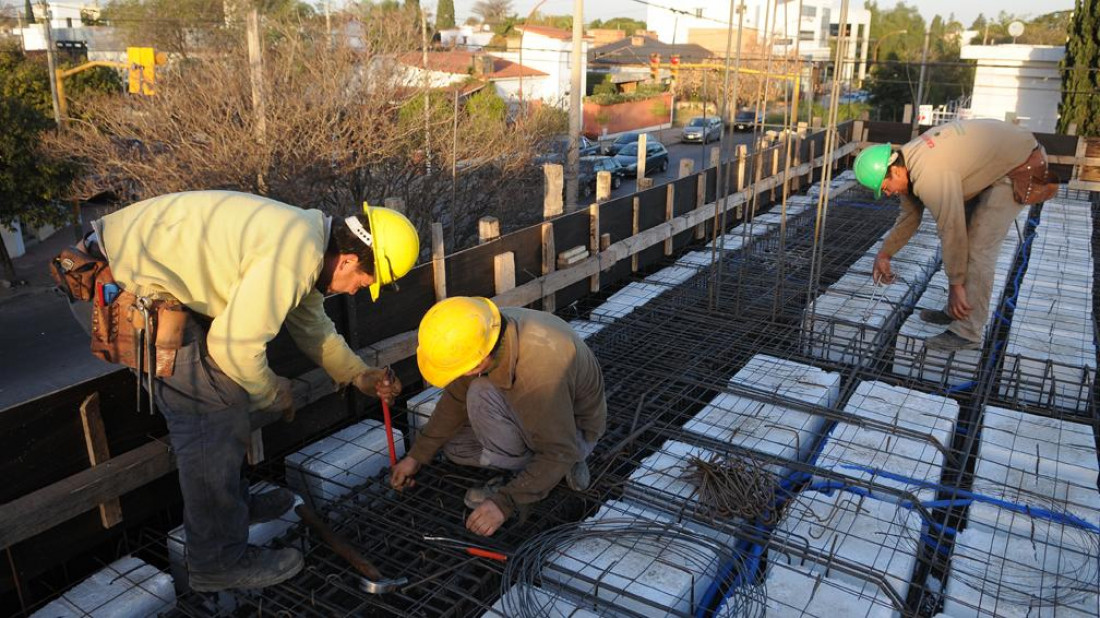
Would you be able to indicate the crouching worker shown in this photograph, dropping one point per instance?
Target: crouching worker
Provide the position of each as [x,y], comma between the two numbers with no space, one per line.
[522,392]
[199,283]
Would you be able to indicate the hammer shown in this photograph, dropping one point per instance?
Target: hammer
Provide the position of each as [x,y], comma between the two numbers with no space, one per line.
[371,581]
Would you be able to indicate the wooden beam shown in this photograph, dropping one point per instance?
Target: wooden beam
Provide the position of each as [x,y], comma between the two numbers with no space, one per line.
[593,243]
[439,262]
[95,439]
[642,140]
[687,166]
[636,211]
[700,199]
[488,229]
[552,190]
[603,186]
[670,212]
[549,262]
[504,271]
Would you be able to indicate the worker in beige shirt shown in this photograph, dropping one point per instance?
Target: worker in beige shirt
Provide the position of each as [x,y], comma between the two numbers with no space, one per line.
[958,171]
[244,266]
[522,392]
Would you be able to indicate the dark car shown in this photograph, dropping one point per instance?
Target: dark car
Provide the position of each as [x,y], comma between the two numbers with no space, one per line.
[656,157]
[702,129]
[591,166]
[556,149]
[746,119]
[621,141]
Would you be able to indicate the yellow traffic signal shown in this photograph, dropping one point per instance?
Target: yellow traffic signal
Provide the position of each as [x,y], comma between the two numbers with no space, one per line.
[655,67]
[142,64]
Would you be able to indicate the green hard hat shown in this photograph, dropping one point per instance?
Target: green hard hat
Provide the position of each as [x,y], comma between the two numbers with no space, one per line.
[870,167]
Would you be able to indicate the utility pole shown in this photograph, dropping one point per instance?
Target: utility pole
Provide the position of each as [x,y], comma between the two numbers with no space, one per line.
[256,77]
[51,62]
[576,113]
[920,83]
[427,92]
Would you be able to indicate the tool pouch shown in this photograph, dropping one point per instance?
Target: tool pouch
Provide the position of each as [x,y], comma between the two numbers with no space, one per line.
[121,333]
[77,272]
[1033,182]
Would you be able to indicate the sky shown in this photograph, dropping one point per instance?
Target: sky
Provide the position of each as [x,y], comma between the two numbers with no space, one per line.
[965,12]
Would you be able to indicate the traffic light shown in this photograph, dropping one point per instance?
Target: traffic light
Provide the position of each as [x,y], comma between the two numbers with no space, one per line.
[142,69]
[655,67]
[674,66]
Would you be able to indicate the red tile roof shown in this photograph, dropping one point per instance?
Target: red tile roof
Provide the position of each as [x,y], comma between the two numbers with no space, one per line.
[547,31]
[462,63]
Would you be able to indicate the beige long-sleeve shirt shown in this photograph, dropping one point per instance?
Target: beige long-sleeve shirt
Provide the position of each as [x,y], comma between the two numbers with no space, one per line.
[248,262]
[553,382]
[948,165]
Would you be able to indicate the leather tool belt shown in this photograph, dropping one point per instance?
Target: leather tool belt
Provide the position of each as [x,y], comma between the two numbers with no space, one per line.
[1033,182]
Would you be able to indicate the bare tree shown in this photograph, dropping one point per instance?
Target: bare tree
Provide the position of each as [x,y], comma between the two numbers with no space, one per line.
[335,132]
[492,11]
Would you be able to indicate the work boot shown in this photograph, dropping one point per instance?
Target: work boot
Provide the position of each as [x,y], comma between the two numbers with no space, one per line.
[938,317]
[476,495]
[269,505]
[258,568]
[578,477]
[948,341]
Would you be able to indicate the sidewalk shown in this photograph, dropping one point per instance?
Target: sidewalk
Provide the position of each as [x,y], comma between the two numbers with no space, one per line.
[33,266]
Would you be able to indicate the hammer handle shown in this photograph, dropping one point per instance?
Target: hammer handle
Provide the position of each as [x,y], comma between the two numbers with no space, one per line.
[337,543]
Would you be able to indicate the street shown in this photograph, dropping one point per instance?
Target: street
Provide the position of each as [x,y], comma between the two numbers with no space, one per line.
[676,151]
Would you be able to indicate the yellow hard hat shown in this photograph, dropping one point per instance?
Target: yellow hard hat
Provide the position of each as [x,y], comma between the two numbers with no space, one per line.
[396,246]
[455,336]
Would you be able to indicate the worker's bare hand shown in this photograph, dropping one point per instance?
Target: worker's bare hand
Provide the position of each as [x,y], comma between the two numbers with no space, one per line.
[284,399]
[403,473]
[957,305]
[486,519]
[375,382]
[881,273]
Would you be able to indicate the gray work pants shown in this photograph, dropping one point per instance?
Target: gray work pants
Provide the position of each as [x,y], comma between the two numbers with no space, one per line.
[985,231]
[495,437]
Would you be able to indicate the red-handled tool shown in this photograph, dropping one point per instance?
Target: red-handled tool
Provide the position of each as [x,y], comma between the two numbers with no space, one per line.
[389,421]
[473,550]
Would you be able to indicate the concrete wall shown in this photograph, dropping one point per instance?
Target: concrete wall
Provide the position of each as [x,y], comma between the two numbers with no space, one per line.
[1017,79]
[627,116]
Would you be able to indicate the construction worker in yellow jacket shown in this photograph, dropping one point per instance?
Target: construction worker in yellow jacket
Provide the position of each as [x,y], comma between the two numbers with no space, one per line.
[522,392]
[244,266]
[959,172]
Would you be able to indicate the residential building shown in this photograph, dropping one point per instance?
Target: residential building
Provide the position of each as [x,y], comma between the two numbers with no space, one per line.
[548,50]
[472,71]
[1018,83]
[466,37]
[627,60]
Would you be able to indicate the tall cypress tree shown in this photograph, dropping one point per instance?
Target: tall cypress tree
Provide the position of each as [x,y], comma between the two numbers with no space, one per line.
[445,14]
[1081,71]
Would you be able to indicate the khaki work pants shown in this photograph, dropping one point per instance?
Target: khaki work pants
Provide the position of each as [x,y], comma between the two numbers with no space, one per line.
[986,230]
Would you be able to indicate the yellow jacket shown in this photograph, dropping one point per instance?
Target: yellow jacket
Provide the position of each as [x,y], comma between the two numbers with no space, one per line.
[248,262]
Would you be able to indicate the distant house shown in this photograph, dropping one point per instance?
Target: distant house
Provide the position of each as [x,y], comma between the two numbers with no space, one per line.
[465,37]
[1017,83]
[446,69]
[548,50]
[626,61]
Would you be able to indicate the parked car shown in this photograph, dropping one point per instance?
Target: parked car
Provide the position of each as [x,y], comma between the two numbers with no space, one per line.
[747,119]
[656,157]
[702,129]
[591,166]
[555,151]
[621,141]
[855,96]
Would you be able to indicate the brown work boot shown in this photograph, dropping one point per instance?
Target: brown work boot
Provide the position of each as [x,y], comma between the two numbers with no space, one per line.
[257,568]
[578,477]
[476,495]
[938,317]
[269,505]
[948,341]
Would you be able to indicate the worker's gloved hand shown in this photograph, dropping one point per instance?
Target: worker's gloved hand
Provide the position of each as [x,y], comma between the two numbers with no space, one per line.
[957,305]
[284,400]
[376,383]
[403,473]
[881,273]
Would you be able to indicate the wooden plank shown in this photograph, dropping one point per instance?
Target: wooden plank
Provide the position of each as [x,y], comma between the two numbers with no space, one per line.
[687,166]
[603,186]
[504,271]
[642,140]
[700,199]
[95,439]
[670,212]
[715,156]
[634,224]
[439,262]
[775,166]
[553,177]
[549,263]
[488,229]
[593,244]
[645,183]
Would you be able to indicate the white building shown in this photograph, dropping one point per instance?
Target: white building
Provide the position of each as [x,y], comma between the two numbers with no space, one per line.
[65,24]
[1017,82]
[548,50]
[454,67]
[466,37]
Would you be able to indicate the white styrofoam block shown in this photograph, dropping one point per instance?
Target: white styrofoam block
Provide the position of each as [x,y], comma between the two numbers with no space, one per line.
[585,328]
[847,329]
[648,575]
[1010,564]
[126,588]
[1064,441]
[795,592]
[665,470]
[696,259]
[876,534]
[672,275]
[421,406]
[722,532]
[331,466]
[539,602]
[259,535]
[760,424]
[852,449]
[625,301]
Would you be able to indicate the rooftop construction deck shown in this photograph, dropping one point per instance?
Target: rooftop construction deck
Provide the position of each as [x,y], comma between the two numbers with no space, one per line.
[779,440]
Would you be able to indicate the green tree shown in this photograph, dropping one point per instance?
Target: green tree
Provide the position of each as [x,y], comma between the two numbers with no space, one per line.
[1080,73]
[492,11]
[486,107]
[445,14]
[626,24]
[1048,29]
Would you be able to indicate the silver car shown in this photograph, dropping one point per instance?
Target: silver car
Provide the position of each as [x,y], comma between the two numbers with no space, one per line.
[702,129]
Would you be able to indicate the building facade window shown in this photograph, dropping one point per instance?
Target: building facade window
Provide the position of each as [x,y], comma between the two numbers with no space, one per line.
[806,35]
[809,11]
[699,13]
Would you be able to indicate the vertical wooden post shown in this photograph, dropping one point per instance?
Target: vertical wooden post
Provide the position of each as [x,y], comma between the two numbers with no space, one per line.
[553,176]
[813,162]
[603,186]
[687,166]
[1082,150]
[594,242]
[670,210]
[715,156]
[857,130]
[488,228]
[742,174]
[95,439]
[797,161]
[635,224]
[439,267]
[504,272]
[775,166]
[549,263]
[645,183]
[641,156]
[700,201]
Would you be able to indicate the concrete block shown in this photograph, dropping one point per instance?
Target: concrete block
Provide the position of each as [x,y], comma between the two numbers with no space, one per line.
[540,602]
[126,588]
[332,466]
[625,301]
[585,328]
